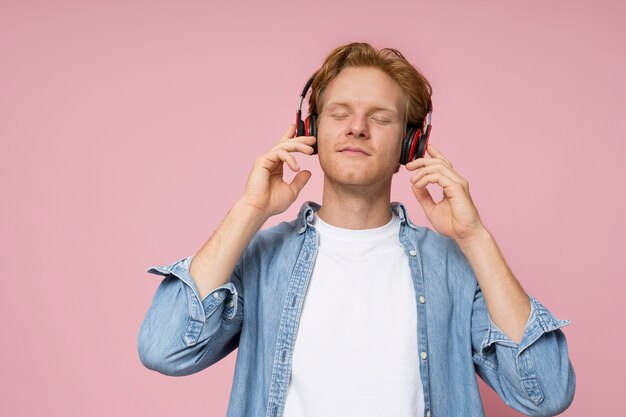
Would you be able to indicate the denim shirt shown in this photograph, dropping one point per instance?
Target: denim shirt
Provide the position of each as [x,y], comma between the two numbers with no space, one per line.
[258,311]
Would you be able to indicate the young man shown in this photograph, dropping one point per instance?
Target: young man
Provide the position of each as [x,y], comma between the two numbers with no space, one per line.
[351,309]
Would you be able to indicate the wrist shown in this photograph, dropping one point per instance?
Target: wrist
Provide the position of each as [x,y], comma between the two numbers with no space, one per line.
[251,213]
[477,239]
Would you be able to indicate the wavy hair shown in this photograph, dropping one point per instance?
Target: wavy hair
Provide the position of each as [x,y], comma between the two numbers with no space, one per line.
[417,89]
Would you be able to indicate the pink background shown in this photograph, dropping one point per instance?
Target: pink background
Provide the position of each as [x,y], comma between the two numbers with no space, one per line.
[128,129]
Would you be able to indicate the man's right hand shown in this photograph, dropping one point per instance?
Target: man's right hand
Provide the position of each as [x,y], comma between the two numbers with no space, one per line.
[266,194]
[266,190]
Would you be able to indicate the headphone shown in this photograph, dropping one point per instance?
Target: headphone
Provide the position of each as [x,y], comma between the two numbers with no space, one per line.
[414,143]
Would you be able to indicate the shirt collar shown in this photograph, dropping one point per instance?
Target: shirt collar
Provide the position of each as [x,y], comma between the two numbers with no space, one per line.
[308,209]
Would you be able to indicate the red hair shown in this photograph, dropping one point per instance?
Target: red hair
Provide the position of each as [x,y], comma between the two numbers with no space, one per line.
[417,89]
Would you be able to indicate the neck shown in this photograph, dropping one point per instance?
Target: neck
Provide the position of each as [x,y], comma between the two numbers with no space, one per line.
[355,207]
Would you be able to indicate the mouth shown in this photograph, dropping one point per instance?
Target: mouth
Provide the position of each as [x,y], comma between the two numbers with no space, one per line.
[354,151]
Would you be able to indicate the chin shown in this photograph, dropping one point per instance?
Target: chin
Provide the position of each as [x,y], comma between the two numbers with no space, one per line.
[354,179]
[343,172]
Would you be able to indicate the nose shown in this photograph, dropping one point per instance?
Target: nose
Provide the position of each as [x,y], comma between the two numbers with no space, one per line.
[357,127]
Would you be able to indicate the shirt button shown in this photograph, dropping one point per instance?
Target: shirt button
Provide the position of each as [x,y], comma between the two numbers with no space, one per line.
[422,299]
[413,252]
[428,413]
[230,303]
[216,295]
[302,229]
[424,355]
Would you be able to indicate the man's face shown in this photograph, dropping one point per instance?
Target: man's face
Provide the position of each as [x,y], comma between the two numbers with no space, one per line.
[360,127]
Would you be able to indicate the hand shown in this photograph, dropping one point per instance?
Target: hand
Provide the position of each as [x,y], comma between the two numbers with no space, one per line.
[455,215]
[265,190]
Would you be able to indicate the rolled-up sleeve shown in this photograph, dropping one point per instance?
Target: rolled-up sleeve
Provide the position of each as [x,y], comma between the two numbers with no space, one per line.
[182,334]
[536,376]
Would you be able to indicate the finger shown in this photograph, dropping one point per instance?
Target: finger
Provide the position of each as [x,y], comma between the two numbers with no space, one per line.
[276,158]
[300,139]
[435,178]
[436,153]
[292,146]
[289,159]
[416,163]
[424,198]
[438,168]
[290,132]
[299,181]
[422,162]
[433,151]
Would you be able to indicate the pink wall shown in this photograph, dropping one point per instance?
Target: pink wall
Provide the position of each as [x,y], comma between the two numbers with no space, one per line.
[128,129]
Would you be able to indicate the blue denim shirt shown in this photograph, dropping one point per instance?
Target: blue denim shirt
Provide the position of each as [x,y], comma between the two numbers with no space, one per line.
[258,311]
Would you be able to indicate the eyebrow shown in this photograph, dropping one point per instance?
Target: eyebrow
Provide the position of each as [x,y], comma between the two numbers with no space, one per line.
[346,104]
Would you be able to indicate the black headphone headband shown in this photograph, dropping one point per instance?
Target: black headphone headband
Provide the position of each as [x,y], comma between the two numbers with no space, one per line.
[308,85]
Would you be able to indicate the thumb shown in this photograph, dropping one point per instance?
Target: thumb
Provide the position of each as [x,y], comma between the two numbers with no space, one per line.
[299,181]
[424,198]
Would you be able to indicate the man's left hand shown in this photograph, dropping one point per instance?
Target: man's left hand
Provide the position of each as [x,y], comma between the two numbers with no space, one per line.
[455,215]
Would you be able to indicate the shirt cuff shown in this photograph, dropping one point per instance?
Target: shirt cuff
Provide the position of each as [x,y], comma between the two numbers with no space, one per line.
[200,309]
[540,321]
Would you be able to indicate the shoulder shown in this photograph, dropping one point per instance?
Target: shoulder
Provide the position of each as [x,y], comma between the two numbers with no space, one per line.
[425,237]
[432,239]
[276,234]
[442,262]
[286,232]
[281,240]
[434,245]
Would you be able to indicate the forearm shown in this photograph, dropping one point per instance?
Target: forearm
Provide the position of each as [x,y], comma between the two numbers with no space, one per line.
[506,300]
[181,335]
[213,265]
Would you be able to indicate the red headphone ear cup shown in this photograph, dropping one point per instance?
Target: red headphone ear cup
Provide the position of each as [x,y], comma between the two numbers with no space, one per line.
[299,125]
[311,129]
[423,143]
[408,145]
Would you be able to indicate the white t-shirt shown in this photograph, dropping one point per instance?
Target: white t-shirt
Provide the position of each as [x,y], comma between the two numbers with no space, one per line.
[356,347]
